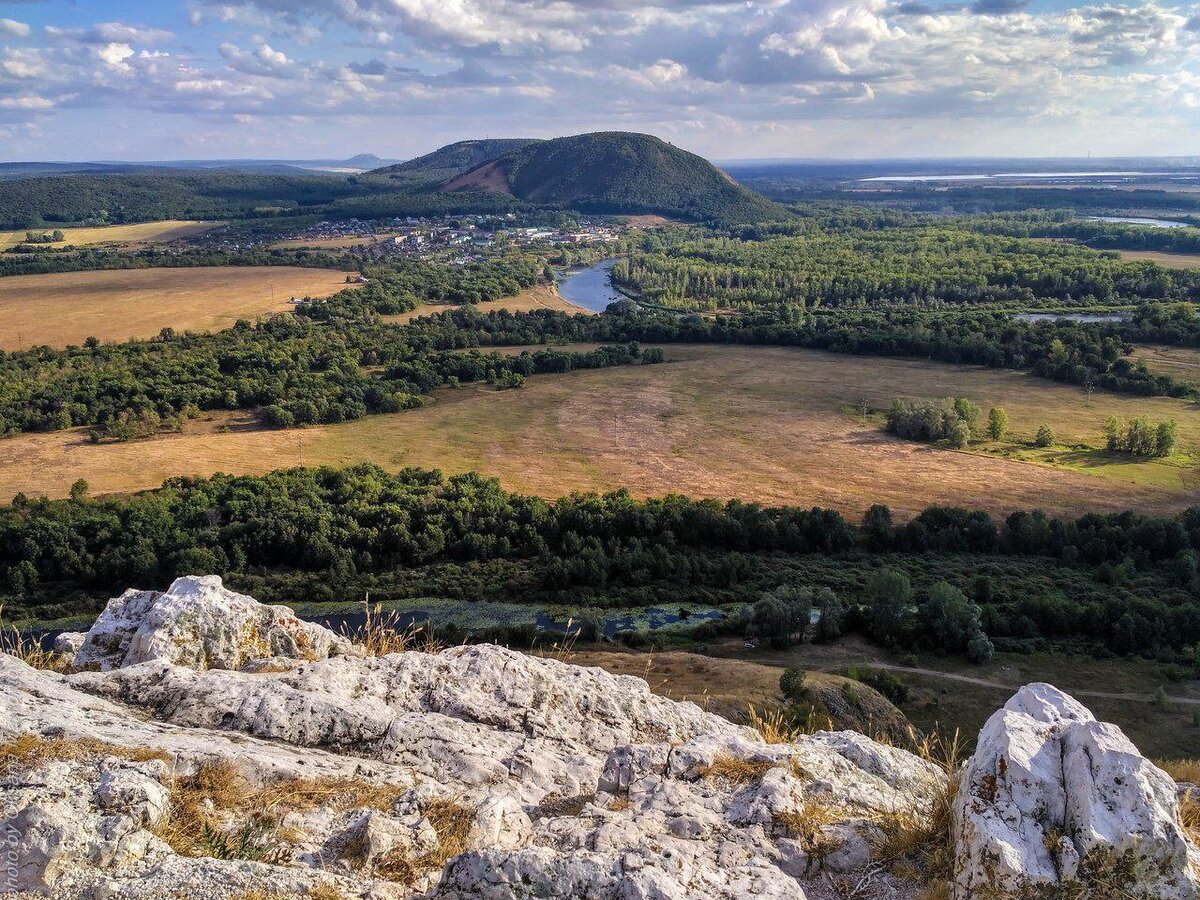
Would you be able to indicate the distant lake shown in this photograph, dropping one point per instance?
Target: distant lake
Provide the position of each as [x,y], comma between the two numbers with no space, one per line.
[1022,175]
[1074,317]
[591,288]
[1136,220]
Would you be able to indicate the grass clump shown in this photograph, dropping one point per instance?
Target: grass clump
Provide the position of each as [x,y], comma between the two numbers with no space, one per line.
[917,844]
[736,770]
[382,634]
[775,726]
[30,650]
[28,750]
[807,826]
[452,821]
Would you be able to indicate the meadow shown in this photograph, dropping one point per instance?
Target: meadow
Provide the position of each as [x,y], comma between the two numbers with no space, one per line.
[1181,363]
[1166,260]
[540,296]
[115,305]
[139,233]
[776,425]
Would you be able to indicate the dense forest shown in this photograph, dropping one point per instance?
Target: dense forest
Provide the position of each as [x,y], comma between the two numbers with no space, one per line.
[1112,583]
[858,261]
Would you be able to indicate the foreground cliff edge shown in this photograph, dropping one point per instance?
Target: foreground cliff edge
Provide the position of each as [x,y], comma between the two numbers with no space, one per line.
[208,746]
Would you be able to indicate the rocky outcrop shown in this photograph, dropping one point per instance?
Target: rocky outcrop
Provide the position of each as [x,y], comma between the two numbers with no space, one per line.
[1053,800]
[479,772]
[200,624]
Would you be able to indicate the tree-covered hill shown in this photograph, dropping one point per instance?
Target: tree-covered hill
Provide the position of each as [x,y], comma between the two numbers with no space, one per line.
[453,159]
[148,196]
[619,172]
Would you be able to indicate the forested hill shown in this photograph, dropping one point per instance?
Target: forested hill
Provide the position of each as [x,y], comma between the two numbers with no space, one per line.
[150,195]
[453,159]
[619,172]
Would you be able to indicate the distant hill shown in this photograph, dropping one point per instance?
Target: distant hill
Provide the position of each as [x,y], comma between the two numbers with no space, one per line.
[617,172]
[453,159]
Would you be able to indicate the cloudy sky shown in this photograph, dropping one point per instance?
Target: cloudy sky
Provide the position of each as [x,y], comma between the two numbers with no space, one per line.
[170,79]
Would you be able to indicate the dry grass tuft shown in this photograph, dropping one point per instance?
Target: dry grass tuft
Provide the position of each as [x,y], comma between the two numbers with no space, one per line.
[774,727]
[916,845]
[382,634]
[302,794]
[452,821]
[26,750]
[619,804]
[1189,815]
[29,650]
[191,827]
[1184,770]
[807,825]
[736,770]
[326,891]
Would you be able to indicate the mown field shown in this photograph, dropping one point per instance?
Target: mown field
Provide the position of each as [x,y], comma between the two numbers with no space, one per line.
[118,304]
[1181,363]
[777,425]
[1167,260]
[140,233]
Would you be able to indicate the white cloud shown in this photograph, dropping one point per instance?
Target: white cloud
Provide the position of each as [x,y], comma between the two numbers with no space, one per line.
[13,28]
[114,55]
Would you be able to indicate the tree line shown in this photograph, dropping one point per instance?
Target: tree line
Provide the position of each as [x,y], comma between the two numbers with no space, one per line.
[1120,582]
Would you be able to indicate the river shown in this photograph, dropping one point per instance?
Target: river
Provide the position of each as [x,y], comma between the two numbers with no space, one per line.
[1138,220]
[591,288]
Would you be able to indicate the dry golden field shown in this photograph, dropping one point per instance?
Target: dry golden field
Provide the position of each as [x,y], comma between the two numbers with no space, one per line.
[1166,260]
[141,233]
[68,307]
[540,296]
[760,423]
[1181,363]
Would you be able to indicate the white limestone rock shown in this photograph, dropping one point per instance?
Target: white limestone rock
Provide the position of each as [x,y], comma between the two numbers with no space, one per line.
[472,716]
[68,643]
[1053,799]
[200,624]
[586,875]
[61,815]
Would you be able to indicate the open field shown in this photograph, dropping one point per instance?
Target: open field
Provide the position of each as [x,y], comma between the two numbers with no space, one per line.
[118,304]
[540,296]
[1181,363]
[1166,260]
[760,423]
[949,693]
[337,243]
[141,233]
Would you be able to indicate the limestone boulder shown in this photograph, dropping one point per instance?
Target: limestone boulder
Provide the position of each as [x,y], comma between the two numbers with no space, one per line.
[200,624]
[1053,801]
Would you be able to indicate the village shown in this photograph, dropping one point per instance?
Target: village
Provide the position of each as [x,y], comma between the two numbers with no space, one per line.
[424,236]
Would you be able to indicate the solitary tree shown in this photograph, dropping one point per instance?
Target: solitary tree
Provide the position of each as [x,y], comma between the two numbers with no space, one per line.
[997,423]
[1045,437]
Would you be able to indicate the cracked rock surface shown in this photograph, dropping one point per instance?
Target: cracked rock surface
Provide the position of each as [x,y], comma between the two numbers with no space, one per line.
[479,772]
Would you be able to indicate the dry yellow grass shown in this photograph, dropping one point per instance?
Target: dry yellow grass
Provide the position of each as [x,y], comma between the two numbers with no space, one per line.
[1166,260]
[337,243]
[760,423]
[140,233]
[67,308]
[736,770]
[1181,363]
[32,749]
[540,296]
[1185,770]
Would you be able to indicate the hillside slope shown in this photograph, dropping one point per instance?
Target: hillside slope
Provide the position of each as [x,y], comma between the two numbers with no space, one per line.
[453,159]
[618,172]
